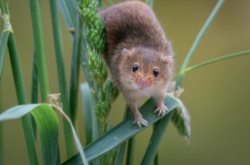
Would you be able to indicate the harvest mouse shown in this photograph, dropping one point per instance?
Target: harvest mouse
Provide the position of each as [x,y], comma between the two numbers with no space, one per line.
[138,54]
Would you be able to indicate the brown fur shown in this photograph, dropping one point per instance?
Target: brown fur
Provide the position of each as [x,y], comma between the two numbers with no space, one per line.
[133,25]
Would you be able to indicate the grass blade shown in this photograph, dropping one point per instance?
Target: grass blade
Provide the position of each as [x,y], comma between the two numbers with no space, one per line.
[87,108]
[130,151]
[216,60]
[121,149]
[156,138]
[196,43]
[69,12]
[48,127]
[123,131]
[34,89]
[1,142]
[22,99]
[39,47]
[90,112]
[75,66]
[3,46]
[61,74]
[150,3]
[47,123]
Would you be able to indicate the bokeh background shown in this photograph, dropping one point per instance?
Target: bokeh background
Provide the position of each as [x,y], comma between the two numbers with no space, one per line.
[217,95]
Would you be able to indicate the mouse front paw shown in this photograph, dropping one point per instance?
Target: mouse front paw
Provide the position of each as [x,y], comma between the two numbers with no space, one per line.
[161,109]
[140,121]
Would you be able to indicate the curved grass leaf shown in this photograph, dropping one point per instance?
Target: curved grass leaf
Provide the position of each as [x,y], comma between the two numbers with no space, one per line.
[48,127]
[196,42]
[47,123]
[3,45]
[123,131]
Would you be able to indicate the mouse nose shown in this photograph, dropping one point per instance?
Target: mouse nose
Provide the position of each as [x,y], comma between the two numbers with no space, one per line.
[143,81]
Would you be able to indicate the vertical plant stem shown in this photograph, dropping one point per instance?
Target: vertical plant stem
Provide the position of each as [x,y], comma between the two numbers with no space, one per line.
[34,89]
[75,65]
[6,5]
[61,74]
[39,46]
[121,149]
[156,138]
[99,4]
[2,8]
[130,151]
[196,43]
[156,159]
[150,3]
[22,99]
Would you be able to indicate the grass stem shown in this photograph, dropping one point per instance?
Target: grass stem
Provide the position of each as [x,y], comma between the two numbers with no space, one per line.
[216,60]
[61,74]
[22,99]
[39,47]
[196,43]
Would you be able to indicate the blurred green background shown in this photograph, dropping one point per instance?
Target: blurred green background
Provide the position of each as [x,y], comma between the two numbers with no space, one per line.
[217,95]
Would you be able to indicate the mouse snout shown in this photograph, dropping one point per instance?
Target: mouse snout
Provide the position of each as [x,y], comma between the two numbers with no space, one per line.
[143,81]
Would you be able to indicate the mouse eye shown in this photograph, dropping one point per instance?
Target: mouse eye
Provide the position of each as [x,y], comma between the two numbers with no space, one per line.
[135,68]
[155,71]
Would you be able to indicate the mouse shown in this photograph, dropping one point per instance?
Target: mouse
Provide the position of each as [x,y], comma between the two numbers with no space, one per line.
[138,54]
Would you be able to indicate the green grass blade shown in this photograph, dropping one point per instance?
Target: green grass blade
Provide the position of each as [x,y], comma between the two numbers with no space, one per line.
[196,42]
[61,74]
[87,108]
[69,12]
[34,89]
[47,123]
[150,3]
[3,46]
[6,5]
[121,148]
[22,99]
[1,7]
[39,46]
[48,127]
[17,111]
[216,60]
[99,4]
[123,131]
[110,2]
[1,141]
[130,151]
[75,68]
[156,138]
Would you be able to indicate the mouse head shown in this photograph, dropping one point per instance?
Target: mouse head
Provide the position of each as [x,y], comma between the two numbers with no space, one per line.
[145,68]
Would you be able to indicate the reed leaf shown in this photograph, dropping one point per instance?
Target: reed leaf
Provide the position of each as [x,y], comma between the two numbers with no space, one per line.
[123,131]
[47,123]
[3,46]
[61,74]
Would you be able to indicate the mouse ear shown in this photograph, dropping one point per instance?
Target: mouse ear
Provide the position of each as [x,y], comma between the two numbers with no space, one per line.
[126,52]
[167,59]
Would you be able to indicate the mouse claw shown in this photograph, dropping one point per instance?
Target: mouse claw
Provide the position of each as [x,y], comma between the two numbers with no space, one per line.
[140,121]
[161,109]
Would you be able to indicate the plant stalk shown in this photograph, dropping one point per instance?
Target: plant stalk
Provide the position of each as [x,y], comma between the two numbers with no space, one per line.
[61,74]
[22,99]
[196,43]
[216,60]
[156,138]
[39,46]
